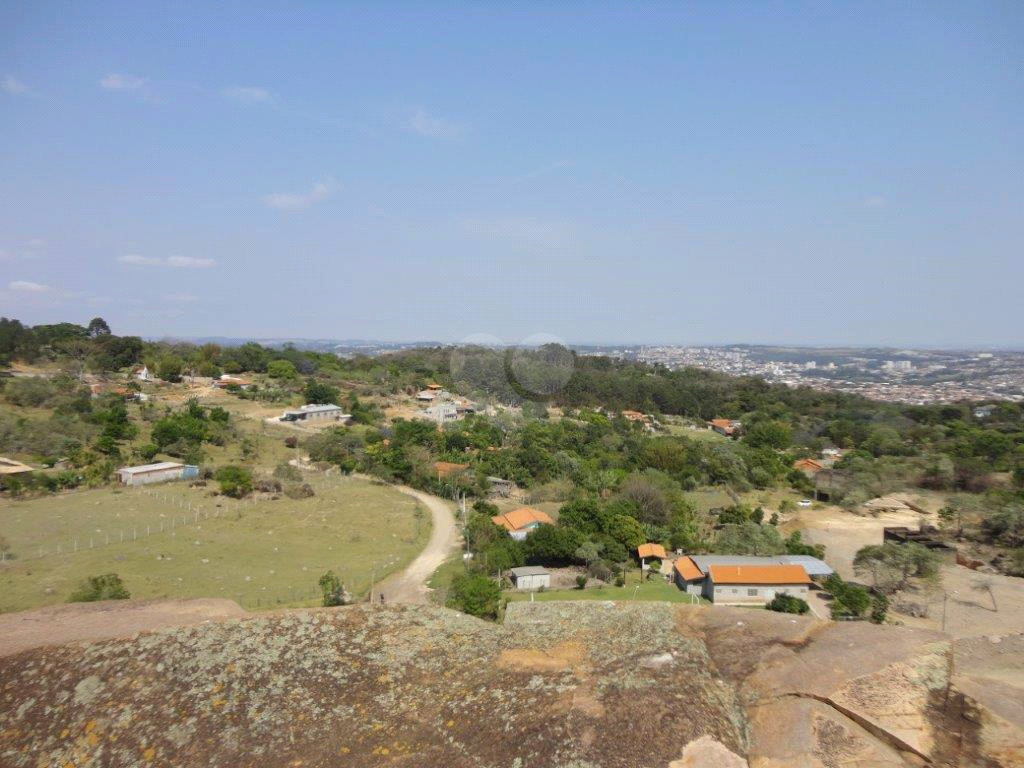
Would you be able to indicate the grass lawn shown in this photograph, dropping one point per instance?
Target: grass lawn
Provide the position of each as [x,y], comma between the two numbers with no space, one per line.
[656,590]
[260,552]
[441,580]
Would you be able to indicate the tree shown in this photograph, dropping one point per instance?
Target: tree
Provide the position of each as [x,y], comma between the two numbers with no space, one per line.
[321,393]
[784,603]
[551,545]
[475,594]
[106,587]
[333,590]
[847,599]
[769,434]
[234,481]
[892,566]
[281,369]
[98,327]
[170,367]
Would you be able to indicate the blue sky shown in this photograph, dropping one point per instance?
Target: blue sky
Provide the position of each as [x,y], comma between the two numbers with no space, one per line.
[817,173]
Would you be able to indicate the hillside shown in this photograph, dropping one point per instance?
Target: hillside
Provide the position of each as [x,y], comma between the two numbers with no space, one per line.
[558,684]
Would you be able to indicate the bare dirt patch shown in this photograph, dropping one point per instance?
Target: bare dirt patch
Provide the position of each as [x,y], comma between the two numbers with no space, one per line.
[57,625]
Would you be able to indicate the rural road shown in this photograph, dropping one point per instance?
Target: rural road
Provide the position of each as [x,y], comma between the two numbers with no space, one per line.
[410,586]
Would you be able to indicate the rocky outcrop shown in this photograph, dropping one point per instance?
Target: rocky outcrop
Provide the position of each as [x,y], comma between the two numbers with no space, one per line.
[577,685]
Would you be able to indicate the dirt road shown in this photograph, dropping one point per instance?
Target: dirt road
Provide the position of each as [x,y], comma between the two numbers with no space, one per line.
[410,586]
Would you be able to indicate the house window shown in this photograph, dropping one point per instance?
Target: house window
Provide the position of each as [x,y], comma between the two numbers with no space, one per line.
[751,593]
[735,591]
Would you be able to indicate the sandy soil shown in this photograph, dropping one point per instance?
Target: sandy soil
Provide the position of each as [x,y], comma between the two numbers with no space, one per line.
[410,586]
[963,605]
[56,625]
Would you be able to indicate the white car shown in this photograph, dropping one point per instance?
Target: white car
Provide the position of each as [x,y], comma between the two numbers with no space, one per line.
[804,503]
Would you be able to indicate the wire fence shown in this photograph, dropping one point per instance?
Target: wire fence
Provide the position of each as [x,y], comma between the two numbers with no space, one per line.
[166,511]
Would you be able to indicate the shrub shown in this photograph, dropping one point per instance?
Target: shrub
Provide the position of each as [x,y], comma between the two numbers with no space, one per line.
[234,481]
[879,608]
[581,581]
[788,604]
[106,587]
[334,591]
[285,471]
[475,594]
[299,491]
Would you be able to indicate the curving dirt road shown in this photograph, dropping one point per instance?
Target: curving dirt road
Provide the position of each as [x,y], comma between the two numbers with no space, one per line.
[410,586]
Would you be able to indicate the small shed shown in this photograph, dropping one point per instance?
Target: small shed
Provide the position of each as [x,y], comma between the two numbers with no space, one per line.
[531,577]
[160,472]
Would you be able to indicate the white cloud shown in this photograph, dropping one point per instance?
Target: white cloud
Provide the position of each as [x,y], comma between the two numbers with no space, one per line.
[116,82]
[435,128]
[179,262]
[133,258]
[292,200]
[248,94]
[25,286]
[10,84]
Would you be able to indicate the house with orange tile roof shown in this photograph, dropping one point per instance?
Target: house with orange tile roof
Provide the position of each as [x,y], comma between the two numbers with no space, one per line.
[521,522]
[737,575]
[808,466]
[727,427]
[755,584]
[645,551]
[688,577]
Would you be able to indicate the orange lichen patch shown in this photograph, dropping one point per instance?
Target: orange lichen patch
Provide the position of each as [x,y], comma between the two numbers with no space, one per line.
[557,658]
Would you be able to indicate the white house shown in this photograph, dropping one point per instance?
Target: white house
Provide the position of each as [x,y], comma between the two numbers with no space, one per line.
[315,412]
[530,577]
[160,472]
[143,374]
[442,412]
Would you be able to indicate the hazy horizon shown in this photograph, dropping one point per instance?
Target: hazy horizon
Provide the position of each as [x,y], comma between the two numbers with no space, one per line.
[797,174]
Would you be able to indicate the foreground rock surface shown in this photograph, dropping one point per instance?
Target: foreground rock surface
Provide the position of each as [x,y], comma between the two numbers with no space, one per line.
[577,685]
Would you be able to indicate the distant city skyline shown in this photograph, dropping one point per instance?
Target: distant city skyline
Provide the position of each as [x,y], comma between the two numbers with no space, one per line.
[812,174]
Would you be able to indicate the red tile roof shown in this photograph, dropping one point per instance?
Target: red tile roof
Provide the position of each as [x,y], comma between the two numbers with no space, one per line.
[758,574]
[688,569]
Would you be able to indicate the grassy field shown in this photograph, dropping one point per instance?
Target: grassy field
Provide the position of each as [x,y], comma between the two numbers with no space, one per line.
[170,540]
[656,590]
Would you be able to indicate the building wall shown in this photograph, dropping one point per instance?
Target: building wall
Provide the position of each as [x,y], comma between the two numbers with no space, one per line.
[751,594]
[161,476]
[534,581]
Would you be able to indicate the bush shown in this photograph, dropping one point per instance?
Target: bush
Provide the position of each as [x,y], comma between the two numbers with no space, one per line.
[333,590]
[475,594]
[581,581]
[285,471]
[106,587]
[848,600]
[879,608]
[299,491]
[788,604]
[234,481]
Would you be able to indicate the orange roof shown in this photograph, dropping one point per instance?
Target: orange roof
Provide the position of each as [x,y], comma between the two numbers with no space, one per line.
[521,518]
[810,464]
[688,569]
[758,574]
[651,550]
[723,423]
[445,468]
